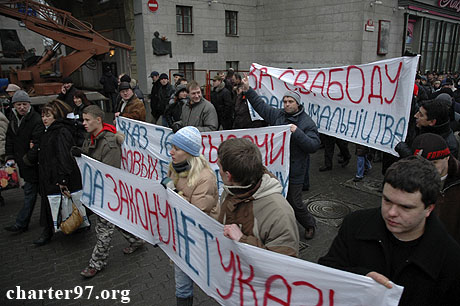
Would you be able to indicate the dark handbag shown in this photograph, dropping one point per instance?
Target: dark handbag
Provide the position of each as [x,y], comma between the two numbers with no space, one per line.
[73,222]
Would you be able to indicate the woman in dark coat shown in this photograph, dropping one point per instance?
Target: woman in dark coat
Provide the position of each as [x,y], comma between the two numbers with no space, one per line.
[81,101]
[58,170]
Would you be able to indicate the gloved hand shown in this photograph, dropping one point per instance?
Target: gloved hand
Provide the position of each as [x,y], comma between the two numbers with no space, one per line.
[76,151]
[168,183]
[403,149]
[176,126]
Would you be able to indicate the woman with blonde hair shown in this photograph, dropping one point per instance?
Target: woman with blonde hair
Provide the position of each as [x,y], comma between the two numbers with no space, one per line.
[191,177]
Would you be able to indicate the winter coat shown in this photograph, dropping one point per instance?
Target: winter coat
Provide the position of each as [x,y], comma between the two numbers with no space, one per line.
[201,115]
[221,98]
[109,82]
[173,111]
[68,96]
[164,93]
[430,275]
[203,194]
[242,117]
[18,141]
[304,140]
[265,217]
[134,109]
[105,147]
[154,100]
[55,162]
[448,203]
[3,128]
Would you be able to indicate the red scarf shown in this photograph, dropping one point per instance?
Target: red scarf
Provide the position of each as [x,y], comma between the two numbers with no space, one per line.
[105,127]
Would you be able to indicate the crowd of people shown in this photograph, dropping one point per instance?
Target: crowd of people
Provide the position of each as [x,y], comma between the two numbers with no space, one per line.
[419,214]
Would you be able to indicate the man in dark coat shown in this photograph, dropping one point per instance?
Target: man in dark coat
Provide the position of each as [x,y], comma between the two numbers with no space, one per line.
[402,241]
[24,130]
[221,98]
[67,92]
[434,148]
[304,140]
[164,94]
[110,84]
[154,101]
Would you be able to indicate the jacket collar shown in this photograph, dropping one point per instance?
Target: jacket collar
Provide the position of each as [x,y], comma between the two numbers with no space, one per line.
[429,253]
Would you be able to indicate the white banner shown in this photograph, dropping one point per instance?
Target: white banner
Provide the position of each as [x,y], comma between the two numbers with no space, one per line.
[366,104]
[145,151]
[232,273]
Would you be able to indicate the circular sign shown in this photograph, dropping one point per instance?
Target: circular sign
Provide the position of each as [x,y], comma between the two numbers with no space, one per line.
[152,5]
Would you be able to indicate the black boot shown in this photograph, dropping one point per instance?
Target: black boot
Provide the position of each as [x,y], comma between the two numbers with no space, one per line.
[184,301]
[45,237]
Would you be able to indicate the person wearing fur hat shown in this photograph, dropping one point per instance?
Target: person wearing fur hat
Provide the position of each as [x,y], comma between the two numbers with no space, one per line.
[103,145]
[191,177]
[304,141]
[25,128]
[130,106]
[435,149]
[174,110]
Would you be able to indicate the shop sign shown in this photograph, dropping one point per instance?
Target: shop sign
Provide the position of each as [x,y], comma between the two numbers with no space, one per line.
[450,4]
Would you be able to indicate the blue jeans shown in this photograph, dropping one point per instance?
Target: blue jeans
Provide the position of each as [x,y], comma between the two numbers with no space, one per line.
[184,284]
[30,196]
[362,164]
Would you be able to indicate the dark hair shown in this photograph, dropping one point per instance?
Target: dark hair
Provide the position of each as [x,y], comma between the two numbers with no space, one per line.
[242,159]
[94,111]
[436,109]
[80,94]
[125,78]
[237,76]
[415,173]
[58,108]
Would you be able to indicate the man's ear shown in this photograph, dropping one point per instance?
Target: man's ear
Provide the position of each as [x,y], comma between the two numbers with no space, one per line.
[432,122]
[429,209]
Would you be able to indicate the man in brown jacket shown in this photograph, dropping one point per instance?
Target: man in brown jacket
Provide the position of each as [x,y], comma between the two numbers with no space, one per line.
[252,207]
[434,148]
[130,106]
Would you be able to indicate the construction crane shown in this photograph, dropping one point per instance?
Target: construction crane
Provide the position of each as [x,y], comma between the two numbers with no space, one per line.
[63,28]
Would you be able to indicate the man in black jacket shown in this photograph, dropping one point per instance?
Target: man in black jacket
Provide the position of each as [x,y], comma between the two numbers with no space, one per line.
[154,102]
[164,94]
[402,241]
[67,92]
[221,98]
[24,131]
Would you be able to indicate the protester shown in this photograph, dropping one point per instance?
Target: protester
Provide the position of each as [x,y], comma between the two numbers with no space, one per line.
[173,111]
[58,170]
[80,101]
[104,145]
[130,106]
[24,130]
[329,146]
[221,98]
[164,93]
[252,207]
[242,117]
[191,176]
[402,241]
[197,112]
[304,140]
[154,100]
[109,87]
[434,148]
[4,122]
[133,84]
[363,164]
[67,92]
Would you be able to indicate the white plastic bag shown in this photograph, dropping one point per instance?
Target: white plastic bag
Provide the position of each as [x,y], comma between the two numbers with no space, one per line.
[66,208]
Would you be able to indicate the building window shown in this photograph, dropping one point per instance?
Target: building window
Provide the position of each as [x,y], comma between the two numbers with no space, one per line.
[232,64]
[184,19]
[231,23]
[188,70]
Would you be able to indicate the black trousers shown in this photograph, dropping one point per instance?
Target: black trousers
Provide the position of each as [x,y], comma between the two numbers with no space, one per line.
[329,146]
[294,197]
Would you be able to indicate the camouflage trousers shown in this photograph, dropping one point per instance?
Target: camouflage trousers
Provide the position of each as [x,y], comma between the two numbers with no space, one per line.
[104,233]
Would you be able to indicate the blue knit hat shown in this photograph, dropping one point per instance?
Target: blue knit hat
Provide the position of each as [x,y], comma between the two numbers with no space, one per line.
[188,139]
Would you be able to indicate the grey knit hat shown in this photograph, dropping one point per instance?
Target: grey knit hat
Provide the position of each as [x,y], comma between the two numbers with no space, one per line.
[293,95]
[21,96]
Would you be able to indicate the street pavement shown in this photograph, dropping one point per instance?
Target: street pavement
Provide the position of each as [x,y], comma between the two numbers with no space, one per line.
[148,273]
